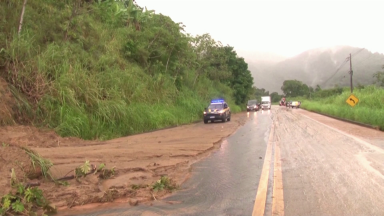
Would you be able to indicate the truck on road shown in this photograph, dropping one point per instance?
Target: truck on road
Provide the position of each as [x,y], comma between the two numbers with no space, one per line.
[266,102]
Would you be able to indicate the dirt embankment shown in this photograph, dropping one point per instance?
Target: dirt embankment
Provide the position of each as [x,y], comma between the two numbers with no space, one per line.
[139,160]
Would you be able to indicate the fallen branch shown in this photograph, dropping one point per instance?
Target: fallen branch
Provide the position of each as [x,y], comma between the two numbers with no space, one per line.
[93,169]
[73,201]
[153,196]
[31,184]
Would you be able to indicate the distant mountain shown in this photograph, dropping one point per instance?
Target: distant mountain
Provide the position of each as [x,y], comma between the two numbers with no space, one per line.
[260,63]
[318,67]
[256,57]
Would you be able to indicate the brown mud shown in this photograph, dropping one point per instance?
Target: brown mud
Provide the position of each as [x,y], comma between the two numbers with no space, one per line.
[139,161]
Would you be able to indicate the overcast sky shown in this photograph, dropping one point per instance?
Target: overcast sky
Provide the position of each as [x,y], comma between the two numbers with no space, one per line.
[286,27]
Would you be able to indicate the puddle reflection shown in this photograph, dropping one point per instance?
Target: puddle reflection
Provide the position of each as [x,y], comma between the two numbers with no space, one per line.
[266,112]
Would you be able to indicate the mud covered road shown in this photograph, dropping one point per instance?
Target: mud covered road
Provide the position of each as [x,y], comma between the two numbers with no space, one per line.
[329,167]
[224,183]
[281,162]
[139,161]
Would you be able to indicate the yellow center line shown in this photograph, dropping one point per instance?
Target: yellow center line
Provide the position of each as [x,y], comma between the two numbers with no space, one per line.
[261,195]
[278,195]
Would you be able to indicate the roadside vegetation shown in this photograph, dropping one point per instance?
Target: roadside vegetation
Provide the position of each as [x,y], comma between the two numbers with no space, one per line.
[24,197]
[25,200]
[106,69]
[30,183]
[369,109]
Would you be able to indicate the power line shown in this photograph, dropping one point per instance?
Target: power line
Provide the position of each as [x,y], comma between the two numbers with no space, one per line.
[363,60]
[337,70]
[342,64]
[358,51]
[341,78]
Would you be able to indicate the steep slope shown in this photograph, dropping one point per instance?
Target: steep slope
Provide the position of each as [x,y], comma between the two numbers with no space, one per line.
[7,103]
[92,69]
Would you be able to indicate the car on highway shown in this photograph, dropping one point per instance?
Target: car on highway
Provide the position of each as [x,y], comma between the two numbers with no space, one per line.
[218,109]
[295,104]
[288,104]
[252,105]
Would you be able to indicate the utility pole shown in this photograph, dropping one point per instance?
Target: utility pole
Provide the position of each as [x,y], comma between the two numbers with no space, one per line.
[22,16]
[350,71]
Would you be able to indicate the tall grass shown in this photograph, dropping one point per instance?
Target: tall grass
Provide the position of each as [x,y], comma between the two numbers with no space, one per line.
[121,102]
[369,110]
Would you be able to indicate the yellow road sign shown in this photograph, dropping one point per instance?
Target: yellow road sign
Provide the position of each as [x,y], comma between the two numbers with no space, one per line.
[352,100]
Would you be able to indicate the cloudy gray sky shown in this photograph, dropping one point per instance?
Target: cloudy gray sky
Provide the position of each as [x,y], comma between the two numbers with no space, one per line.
[286,27]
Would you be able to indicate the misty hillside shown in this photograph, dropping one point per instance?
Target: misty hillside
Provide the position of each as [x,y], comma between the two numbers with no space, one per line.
[318,67]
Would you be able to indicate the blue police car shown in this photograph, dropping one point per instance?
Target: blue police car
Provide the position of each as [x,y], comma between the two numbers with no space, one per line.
[217,110]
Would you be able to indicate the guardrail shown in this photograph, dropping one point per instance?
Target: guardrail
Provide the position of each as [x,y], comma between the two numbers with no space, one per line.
[346,120]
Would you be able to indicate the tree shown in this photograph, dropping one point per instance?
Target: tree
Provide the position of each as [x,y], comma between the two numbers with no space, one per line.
[242,80]
[260,92]
[305,90]
[135,14]
[379,78]
[204,47]
[291,88]
[275,97]
[22,16]
[294,88]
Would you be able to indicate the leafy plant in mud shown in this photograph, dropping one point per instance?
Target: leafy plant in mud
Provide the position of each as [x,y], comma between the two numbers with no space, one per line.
[137,187]
[39,163]
[24,200]
[164,183]
[105,173]
[88,168]
[83,170]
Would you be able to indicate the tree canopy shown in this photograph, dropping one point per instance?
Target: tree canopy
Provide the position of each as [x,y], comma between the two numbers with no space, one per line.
[379,78]
[294,88]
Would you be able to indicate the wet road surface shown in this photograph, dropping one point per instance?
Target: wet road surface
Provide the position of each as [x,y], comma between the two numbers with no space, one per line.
[283,162]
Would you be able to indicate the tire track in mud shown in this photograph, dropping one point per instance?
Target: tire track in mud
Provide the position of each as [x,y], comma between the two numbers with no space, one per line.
[321,172]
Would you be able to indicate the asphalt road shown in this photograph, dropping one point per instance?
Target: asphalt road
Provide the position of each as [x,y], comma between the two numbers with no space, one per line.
[282,162]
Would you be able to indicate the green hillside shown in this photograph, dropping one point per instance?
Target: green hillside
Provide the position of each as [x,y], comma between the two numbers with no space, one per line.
[105,69]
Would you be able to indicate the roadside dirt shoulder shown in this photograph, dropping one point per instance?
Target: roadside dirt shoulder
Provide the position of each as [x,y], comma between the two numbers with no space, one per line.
[373,136]
[139,160]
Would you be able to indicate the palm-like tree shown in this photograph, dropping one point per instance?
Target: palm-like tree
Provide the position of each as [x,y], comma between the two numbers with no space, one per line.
[136,15]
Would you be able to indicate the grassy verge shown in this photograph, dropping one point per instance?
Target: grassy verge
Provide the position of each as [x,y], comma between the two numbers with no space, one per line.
[369,110]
